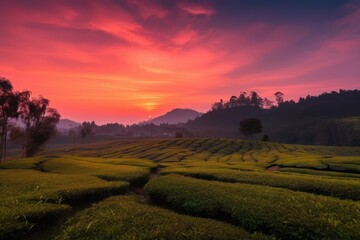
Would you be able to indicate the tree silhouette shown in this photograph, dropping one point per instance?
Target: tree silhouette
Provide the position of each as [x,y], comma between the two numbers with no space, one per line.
[217,105]
[250,126]
[256,100]
[86,128]
[233,101]
[11,104]
[40,124]
[279,97]
[243,99]
[268,103]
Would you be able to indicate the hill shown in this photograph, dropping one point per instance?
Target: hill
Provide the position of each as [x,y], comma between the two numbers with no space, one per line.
[327,119]
[175,116]
[67,124]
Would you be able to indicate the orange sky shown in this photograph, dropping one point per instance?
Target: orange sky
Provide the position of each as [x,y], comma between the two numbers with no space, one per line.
[121,61]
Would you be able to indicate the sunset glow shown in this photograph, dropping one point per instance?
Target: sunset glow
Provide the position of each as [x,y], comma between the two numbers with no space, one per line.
[125,61]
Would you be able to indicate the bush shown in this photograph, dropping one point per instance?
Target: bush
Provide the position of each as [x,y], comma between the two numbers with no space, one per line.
[281,212]
[335,187]
[126,218]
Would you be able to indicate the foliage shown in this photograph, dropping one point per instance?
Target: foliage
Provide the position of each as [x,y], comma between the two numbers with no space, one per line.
[29,198]
[40,122]
[223,153]
[284,213]
[310,120]
[279,97]
[127,218]
[340,188]
[86,128]
[250,126]
[11,106]
[244,100]
[37,190]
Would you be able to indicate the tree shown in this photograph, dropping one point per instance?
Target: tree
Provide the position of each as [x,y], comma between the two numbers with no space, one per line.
[243,99]
[217,105]
[40,124]
[279,97]
[256,100]
[233,101]
[10,103]
[250,126]
[268,103]
[86,128]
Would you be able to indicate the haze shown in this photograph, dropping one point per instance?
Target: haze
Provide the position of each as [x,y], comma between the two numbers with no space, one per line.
[122,61]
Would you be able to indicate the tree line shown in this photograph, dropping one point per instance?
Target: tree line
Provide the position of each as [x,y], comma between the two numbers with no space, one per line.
[248,100]
[38,120]
[128,131]
[331,118]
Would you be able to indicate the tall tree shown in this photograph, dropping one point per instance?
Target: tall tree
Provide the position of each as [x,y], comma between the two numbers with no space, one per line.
[268,103]
[256,100]
[233,101]
[86,128]
[40,124]
[6,89]
[218,105]
[11,104]
[279,97]
[250,126]
[243,99]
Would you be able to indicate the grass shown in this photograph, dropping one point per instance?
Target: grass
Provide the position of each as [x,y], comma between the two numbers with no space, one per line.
[17,218]
[107,171]
[302,199]
[31,185]
[133,170]
[29,198]
[126,218]
[227,153]
[281,212]
[313,172]
[340,188]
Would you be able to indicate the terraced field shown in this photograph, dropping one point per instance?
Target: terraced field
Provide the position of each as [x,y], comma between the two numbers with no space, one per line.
[194,189]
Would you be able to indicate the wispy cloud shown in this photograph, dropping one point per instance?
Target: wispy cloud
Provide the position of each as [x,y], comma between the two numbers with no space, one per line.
[139,56]
[197,9]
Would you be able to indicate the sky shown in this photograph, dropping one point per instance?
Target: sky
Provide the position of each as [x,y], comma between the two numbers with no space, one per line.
[126,60]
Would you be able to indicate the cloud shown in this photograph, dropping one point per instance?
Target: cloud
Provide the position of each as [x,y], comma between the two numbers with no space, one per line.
[197,9]
[148,9]
[118,60]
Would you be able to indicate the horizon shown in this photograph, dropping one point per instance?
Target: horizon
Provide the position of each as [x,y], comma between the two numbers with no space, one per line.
[123,61]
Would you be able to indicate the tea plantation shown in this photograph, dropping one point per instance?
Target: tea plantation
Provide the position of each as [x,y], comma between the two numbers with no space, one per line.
[198,188]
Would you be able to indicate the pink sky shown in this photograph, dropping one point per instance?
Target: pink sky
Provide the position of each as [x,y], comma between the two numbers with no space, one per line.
[122,61]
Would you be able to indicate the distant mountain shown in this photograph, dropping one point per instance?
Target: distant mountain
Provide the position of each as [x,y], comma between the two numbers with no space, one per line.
[67,124]
[175,116]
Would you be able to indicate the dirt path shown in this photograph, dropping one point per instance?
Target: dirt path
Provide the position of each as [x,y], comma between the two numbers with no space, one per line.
[40,166]
[139,191]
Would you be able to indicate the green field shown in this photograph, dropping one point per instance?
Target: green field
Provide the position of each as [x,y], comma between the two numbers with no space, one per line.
[199,188]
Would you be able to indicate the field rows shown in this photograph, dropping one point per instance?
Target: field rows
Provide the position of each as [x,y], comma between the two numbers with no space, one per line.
[241,154]
[228,189]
